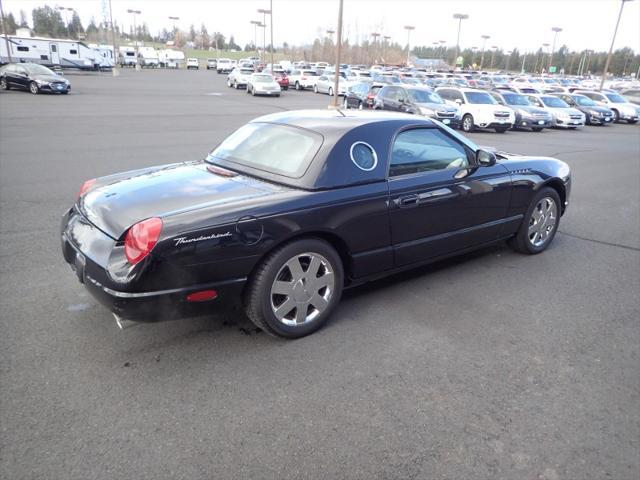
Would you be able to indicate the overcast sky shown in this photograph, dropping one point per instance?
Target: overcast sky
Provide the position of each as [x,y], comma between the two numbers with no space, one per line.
[525,24]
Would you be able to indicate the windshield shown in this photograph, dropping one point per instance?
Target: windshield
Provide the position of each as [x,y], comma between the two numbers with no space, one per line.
[262,78]
[246,71]
[554,102]
[584,101]
[499,80]
[424,96]
[480,98]
[278,149]
[615,98]
[38,70]
[514,99]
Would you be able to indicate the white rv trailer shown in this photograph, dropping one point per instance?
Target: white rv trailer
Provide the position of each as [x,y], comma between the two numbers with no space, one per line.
[148,57]
[51,52]
[107,54]
[127,56]
[171,58]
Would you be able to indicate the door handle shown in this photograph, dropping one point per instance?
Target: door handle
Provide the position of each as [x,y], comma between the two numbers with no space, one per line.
[438,194]
[408,201]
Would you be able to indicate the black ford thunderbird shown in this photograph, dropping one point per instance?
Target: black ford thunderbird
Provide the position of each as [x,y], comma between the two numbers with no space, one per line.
[294,207]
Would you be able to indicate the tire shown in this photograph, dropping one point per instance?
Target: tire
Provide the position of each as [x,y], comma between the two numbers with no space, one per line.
[616,115]
[261,300]
[297,85]
[228,83]
[467,123]
[235,84]
[3,84]
[253,92]
[315,89]
[330,92]
[631,122]
[537,129]
[247,90]
[33,88]
[278,95]
[501,129]
[571,128]
[345,104]
[285,88]
[523,242]
[360,106]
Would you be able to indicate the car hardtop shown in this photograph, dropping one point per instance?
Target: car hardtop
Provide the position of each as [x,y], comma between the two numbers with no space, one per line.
[333,165]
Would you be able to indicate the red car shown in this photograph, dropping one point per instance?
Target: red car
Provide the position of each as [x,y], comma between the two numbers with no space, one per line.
[281,77]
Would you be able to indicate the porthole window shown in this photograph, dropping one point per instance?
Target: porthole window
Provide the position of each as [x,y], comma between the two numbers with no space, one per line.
[364,156]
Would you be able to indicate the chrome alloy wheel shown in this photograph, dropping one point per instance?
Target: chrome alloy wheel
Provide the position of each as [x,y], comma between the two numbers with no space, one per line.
[302,289]
[543,221]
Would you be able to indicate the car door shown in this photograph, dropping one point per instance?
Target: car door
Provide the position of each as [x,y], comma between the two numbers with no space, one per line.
[440,200]
[322,84]
[390,99]
[20,77]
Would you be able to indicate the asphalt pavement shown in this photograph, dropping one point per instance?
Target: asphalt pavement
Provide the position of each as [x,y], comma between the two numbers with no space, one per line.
[494,365]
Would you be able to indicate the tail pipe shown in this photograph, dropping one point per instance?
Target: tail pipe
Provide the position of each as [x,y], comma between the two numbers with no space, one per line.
[124,323]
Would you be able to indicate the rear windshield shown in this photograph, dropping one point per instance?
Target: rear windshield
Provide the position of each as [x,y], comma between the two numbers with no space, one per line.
[278,149]
[480,98]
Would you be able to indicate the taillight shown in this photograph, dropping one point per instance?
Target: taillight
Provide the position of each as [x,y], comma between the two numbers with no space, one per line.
[141,238]
[86,186]
[304,78]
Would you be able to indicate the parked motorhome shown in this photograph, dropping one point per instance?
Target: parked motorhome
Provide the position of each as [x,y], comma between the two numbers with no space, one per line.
[169,58]
[50,52]
[106,51]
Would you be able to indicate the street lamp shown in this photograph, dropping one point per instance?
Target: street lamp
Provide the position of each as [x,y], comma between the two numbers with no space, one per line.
[336,80]
[66,16]
[408,28]
[375,36]
[256,24]
[544,54]
[135,30]
[264,13]
[555,36]
[459,17]
[484,41]
[606,65]
[175,19]
[442,46]
[384,48]
[493,55]
[506,68]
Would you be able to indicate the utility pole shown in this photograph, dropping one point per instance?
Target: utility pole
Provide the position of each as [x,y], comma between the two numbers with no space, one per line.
[613,40]
[272,46]
[375,36]
[4,29]
[493,56]
[135,32]
[336,87]
[114,71]
[459,17]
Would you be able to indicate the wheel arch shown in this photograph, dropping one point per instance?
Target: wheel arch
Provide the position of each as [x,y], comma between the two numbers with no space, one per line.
[559,187]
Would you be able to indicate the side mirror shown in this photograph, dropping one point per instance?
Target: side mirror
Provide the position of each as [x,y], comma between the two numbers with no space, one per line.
[458,101]
[485,159]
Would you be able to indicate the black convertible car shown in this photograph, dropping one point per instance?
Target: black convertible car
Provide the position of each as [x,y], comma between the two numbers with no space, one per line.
[293,207]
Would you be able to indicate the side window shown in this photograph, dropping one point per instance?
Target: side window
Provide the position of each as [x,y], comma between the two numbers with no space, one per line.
[402,95]
[23,49]
[425,150]
[73,51]
[390,93]
[444,94]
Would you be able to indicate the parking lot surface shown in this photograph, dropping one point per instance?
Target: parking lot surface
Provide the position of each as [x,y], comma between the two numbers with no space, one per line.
[491,366]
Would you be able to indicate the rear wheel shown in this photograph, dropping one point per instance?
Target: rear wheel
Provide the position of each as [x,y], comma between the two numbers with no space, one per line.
[540,223]
[315,89]
[3,84]
[632,121]
[467,123]
[345,104]
[536,129]
[501,129]
[295,289]
[330,92]
[33,88]
[616,115]
[297,85]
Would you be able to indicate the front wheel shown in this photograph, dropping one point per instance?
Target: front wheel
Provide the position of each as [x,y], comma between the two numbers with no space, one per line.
[501,129]
[345,104]
[235,85]
[3,84]
[33,88]
[540,223]
[616,116]
[467,124]
[330,92]
[631,122]
[295,289]
[315,89]
[297,85]
[537,129]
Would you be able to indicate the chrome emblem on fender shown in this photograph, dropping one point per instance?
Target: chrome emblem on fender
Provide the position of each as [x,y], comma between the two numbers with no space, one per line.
[213,236]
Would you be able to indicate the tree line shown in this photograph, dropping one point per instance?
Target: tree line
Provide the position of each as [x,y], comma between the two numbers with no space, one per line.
[51,22]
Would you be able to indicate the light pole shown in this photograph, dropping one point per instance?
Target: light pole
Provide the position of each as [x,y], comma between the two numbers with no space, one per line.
[555,36]
[174,19]
[493,55]
[264,13]
[135,30]
[272,46]
[544,55]
[459,17]
[386,39]
[606,65]
[444,49]
[330,33]
[114,70]
[256,24]
[484,41]
[408,28]
[506,67]
[66,16]
[375,36]
[4,29]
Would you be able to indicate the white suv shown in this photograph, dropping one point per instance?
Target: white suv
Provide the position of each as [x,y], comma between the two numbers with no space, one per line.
[301,79]
[193,63]
[478,109]
[239,77]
